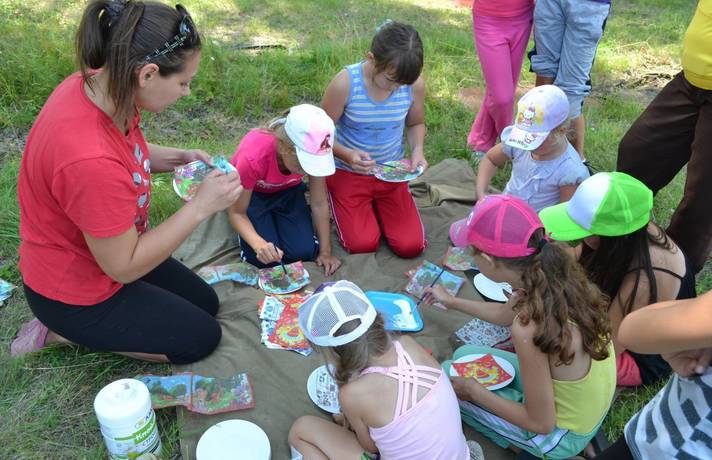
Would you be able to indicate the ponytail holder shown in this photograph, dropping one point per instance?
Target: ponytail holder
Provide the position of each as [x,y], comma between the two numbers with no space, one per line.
[115,8]
[542,243]
[385,23]
[277,122]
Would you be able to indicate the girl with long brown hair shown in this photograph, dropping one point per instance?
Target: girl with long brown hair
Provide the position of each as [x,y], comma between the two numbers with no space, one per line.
[565,371]
[94,273]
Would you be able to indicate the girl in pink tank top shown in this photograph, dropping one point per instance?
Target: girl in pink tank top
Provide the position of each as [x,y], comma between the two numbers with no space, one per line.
[396,401]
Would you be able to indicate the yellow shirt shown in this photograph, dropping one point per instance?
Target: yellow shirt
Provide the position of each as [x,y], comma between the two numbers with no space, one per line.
[697,47]
[582,404]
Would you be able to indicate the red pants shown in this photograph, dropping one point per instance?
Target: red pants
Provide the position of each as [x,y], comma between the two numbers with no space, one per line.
[364,207]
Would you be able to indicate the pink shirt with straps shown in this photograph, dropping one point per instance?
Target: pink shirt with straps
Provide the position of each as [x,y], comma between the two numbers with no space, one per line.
[421,429]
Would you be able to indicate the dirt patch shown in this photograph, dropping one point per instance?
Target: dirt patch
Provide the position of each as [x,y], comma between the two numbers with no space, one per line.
[12,142]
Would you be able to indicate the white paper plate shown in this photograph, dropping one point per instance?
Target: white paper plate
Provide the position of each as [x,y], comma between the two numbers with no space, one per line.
[296,288]
[234,439]
[318,377]
[503,363]
[491,289]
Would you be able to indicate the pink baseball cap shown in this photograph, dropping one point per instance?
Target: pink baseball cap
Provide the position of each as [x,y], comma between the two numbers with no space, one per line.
[499,225]
[312,132]
[539,111]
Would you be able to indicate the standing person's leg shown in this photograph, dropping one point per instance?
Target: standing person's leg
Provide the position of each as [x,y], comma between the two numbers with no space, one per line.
[496,111]
[141,320]
[584,28]
[399,219]
[293,219]
[549,27]
[260,213]
[351,200]
[520,29]
[691,223]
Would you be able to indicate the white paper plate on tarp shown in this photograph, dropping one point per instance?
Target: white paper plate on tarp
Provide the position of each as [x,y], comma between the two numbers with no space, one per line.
[491,289]
[234,439]
[323,391]
[501,362]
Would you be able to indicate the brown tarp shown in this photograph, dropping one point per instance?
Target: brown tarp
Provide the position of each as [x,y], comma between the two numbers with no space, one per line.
[443,194]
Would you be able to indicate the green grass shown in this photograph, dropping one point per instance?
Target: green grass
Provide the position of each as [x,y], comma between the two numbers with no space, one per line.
[46,399]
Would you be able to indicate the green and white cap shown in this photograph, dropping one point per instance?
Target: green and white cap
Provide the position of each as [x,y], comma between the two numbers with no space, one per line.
[605,204]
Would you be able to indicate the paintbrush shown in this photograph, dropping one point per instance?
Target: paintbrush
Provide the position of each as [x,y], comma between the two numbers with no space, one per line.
[442,270]
[286,273]
[397,166]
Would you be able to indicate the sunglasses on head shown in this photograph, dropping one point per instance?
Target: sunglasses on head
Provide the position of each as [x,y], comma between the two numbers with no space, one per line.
[186,33]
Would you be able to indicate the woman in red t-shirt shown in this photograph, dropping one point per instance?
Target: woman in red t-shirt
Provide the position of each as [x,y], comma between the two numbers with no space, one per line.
[94,273]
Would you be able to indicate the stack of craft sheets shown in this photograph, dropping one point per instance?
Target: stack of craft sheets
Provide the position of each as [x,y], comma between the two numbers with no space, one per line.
[240,272]
[280,325]
[5,290]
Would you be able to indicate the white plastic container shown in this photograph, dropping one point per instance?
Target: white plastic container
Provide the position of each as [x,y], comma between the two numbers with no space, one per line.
[127,421]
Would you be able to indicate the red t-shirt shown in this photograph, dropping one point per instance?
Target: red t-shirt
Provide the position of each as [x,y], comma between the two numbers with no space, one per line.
[256,162]
[79,173]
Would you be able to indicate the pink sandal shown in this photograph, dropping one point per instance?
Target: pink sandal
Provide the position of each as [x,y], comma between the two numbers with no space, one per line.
[31,338]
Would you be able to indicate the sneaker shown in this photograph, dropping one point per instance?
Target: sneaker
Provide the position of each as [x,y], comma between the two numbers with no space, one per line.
[475,450]
[31,338]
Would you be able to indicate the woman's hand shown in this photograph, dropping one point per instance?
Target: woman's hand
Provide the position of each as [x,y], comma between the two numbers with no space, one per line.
[268,253]
[217,192]
[689,363]
[361,162]
[190,155]
[438,293]
[417,160]
[465,388]
[329,262]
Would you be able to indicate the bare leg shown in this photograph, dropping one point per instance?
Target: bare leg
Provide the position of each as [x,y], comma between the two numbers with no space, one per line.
[54,338]
[319,439]
[541,80]
[579,129]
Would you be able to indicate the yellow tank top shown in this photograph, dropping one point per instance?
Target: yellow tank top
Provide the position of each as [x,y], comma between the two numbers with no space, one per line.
[582,404]
[697,47]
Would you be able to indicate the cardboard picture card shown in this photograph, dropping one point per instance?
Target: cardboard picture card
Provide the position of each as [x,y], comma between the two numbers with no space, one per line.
[428,272]
[239,272]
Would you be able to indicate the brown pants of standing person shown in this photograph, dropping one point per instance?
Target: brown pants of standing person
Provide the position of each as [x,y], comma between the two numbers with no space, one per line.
[674,130]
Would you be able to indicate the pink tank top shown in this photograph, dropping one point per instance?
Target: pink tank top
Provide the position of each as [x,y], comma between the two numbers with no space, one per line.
[420,430]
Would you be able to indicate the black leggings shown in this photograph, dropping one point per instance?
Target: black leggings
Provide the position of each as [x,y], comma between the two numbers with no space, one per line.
[618,451]
[170,311]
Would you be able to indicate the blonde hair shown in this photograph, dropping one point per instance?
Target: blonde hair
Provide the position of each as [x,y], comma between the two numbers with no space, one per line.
[276,127]
[350,359]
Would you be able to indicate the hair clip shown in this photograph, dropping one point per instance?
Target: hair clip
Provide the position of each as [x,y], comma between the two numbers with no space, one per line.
[115,8]
[278,121]
[542,243]
[385,23]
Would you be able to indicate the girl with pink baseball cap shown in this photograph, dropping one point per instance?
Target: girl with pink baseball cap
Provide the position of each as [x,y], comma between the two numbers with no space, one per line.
[565,366]
[272,217]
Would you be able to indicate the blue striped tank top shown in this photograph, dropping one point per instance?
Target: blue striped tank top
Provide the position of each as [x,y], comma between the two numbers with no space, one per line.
[374,127]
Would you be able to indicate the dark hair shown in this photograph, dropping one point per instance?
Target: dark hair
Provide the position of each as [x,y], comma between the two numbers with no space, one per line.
[123,35]
[397,48]
[350,359]
[615,257]
[557,292]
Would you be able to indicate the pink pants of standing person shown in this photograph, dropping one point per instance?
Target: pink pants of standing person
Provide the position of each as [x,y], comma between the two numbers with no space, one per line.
[500,44]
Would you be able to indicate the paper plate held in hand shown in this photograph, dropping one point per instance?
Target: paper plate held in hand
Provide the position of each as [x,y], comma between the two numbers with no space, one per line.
[322,389]
[491,289]
[234,439]
[187,178]
[490,371]
[396,171]
[399,311]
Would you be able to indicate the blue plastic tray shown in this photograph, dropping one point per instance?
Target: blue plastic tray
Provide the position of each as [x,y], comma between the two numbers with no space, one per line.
[392,305]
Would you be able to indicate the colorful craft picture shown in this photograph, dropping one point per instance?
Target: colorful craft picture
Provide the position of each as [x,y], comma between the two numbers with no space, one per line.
[187,178]
[459,259]
[287,333]
[212,396]
[396,171]
[491,289]
[490,371]
[274,280]
[424,276]
[205,395]
[240,272]
[483,334]
[5,290]
[323,391]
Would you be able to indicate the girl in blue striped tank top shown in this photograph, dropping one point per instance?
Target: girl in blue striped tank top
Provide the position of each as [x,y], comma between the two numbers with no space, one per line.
[373,103]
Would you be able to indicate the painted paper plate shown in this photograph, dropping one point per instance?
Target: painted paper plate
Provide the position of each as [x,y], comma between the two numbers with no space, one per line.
[187,178]
[491,289]
[322,389]
[396,171]
[234,439]
[400,313]
[490,371]
[273,280]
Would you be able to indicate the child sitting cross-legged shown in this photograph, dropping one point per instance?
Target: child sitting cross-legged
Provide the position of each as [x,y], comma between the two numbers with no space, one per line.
[565,369]
[397,403]
[546,169]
